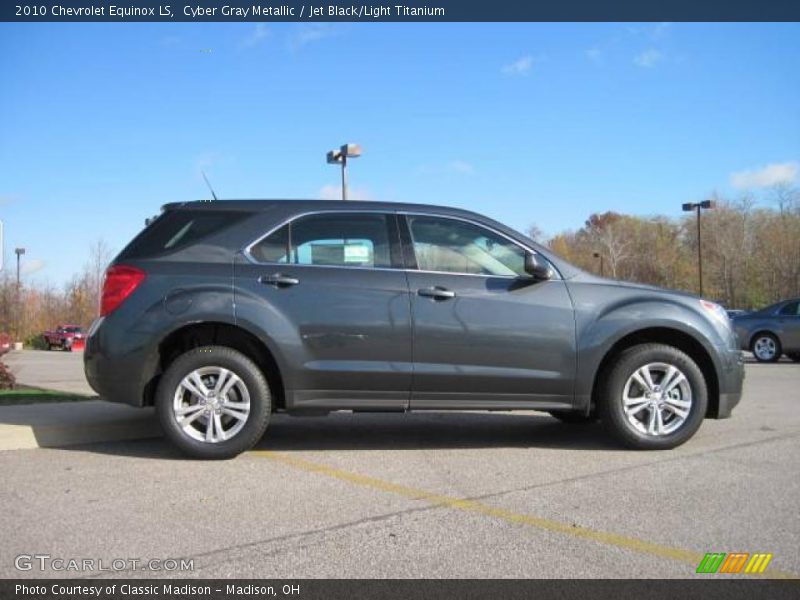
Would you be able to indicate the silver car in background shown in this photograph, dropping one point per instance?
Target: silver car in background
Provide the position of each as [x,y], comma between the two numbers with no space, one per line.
[771,331]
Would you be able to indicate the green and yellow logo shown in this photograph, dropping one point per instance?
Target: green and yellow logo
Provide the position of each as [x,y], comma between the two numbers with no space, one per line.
[735,562]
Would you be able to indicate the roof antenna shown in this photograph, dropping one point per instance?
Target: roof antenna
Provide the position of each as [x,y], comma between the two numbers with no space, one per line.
[203,173]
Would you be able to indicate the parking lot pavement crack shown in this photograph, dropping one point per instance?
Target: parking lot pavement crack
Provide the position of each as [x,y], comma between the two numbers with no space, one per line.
[600,474]
[290,540]
[467,505]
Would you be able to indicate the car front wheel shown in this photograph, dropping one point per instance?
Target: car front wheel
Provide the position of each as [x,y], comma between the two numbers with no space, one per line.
[213,403]
[766,348]
[653,398]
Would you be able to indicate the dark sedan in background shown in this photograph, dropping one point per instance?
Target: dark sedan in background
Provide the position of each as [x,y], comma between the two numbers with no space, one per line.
[771,331]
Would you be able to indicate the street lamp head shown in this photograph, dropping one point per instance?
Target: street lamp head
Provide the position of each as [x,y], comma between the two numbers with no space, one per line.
[334,157]
[596,255]
[708,204]
[350,150]
[689,206]
[19,251]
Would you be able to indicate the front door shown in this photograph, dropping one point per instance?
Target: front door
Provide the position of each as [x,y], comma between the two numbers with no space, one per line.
[486,335]
[325,288]
[789,316]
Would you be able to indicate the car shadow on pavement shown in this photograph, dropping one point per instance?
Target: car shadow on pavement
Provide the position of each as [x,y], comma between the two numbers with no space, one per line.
[415,431]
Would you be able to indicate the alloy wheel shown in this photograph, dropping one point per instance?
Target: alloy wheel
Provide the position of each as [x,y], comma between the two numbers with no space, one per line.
[211,404]
[657,399]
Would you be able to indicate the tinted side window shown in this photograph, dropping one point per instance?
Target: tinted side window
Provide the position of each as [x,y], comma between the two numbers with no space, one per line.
[177,229]
[341,240]
[790,310]
[454,246]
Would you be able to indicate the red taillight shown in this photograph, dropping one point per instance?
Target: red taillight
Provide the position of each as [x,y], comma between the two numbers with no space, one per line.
[119,283]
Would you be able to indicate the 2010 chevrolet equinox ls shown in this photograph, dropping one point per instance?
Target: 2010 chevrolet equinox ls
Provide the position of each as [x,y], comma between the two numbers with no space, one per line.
[221,313]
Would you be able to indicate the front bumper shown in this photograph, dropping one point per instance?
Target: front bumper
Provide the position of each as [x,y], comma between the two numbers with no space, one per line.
[731,382]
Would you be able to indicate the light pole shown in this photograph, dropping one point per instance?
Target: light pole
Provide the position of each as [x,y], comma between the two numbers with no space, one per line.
[600,256]
[698,206]
[19,252]
[340,157]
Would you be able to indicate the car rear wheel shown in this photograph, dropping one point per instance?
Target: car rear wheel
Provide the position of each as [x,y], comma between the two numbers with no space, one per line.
[213,403]
[766,348]
[653,398]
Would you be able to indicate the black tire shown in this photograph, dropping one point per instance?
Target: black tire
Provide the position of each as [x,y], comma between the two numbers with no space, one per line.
[256,387]
[610,401]
[573,417]
[794,356]
[766,337]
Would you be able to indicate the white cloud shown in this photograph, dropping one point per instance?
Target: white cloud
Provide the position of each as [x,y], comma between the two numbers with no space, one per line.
[521,66]
[461,166]
[6,199]
[649,58]
[256,36]
[334,192]
[659,30]
[204,161]
[654,31]
[457,166]
[307,34]
[171,41]
[769,175]
[31,265]
[594,54]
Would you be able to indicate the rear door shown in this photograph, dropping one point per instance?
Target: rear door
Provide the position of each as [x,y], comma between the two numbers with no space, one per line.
[486,335]
[329,290]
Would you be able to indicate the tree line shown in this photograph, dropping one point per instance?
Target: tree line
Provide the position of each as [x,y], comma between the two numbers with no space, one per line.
[750,249]
[28,310]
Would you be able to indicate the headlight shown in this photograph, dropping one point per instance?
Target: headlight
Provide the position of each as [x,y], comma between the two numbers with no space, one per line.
[717,312]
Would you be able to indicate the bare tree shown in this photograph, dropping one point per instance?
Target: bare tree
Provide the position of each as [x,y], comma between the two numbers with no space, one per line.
[100,254]
[607,233]
[535,233]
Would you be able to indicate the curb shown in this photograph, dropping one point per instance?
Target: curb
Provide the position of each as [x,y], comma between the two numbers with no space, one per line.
[53,425]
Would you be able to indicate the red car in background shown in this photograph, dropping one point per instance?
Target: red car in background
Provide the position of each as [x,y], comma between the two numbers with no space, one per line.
[5,343]
[65,337]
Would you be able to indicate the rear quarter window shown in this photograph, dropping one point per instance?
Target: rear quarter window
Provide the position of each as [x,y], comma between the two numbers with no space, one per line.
[177,229]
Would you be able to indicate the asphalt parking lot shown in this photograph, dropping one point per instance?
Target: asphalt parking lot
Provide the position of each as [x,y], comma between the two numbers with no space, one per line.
[436,495]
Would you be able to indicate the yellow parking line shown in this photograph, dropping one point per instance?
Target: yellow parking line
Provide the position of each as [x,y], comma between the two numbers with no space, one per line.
[473,506]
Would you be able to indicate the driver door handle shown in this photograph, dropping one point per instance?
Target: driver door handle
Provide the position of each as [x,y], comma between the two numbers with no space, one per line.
[278,280]
[437,293]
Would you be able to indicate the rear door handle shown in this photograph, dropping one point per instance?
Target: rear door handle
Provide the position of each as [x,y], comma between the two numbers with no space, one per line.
[278,280]
[437,293]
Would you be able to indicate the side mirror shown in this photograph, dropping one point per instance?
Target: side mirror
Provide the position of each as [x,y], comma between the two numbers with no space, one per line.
[538,270]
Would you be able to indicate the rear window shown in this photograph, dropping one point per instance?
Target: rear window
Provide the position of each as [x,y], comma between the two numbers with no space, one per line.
[176,229]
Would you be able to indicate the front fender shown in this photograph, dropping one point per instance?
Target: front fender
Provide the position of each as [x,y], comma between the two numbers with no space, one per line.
[601,326]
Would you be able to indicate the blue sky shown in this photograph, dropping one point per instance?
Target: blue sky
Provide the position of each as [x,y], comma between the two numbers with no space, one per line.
[101,124]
